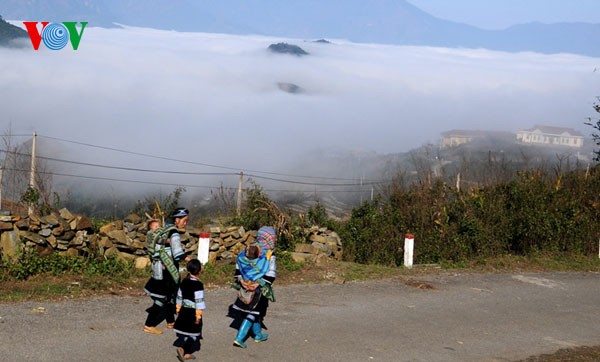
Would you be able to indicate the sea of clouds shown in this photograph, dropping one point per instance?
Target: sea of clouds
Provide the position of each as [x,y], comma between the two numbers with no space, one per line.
[215,99]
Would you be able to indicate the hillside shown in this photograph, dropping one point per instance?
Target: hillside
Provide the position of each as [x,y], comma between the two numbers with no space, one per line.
[9,33]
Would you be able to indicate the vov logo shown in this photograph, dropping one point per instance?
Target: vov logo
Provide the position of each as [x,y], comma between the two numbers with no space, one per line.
[55,36]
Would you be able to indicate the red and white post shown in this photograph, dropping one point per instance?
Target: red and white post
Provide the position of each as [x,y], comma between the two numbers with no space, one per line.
[203,247]
[409,246]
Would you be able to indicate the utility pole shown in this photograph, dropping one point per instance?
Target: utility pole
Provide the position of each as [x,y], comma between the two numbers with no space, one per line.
[1,170]
[239,195]
[32,175]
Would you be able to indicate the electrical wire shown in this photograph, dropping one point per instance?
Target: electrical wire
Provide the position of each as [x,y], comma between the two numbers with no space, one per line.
[195,163]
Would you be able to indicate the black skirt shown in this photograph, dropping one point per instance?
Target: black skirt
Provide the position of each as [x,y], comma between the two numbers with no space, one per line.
[185,323]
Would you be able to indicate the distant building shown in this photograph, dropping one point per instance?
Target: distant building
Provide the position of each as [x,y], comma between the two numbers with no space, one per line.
[547,135]
[458,137]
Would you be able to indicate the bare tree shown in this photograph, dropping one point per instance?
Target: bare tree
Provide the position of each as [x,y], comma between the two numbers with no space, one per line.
[595,123]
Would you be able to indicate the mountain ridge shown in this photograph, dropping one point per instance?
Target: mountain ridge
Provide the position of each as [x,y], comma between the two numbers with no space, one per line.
[10,33]
[386,21]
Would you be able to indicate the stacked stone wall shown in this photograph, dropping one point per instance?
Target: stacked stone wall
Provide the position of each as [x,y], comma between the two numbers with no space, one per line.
[70,234]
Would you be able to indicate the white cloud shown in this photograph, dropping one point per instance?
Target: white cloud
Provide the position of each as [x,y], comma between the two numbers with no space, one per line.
[214,98]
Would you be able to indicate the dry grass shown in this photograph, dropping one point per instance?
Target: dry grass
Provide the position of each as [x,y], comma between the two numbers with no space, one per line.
[578,354]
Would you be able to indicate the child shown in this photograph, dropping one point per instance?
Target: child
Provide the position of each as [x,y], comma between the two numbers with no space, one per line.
[189,306]
[153,224]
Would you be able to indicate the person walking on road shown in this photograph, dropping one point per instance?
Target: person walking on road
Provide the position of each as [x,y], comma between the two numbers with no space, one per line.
[166,252]
[189,306]
[254,276]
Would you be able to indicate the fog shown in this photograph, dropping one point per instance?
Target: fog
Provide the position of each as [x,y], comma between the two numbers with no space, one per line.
[214,99]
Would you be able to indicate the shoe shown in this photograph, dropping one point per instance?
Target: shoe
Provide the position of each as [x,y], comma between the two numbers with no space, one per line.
[258,336]
[170,325]
[180,354]
[152,330]
[241,335]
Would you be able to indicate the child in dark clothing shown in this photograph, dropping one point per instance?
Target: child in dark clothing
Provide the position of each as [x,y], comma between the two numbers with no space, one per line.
[189,307]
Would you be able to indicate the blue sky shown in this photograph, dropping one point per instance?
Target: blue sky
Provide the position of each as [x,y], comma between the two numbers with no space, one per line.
[499,14]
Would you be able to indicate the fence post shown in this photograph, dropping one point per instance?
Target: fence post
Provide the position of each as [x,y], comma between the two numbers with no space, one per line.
[409,245]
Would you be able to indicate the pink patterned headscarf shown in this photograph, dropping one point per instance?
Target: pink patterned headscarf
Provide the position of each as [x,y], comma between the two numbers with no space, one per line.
[265,238]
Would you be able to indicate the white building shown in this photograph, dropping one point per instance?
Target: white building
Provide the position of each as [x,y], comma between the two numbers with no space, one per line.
[547,135]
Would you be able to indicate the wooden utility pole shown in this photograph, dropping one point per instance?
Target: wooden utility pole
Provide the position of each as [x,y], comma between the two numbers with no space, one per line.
[1,170]
[239,194]
[32,175]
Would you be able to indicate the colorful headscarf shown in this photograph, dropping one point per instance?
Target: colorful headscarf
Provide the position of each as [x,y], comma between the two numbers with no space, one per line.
[265,238]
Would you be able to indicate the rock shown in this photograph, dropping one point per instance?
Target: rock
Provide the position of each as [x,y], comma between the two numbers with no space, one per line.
[33,237]
[212,258]
[113,251]
[303,257]
[9,241]
[306,248]
[321,260]
[333,235]
[72,252]
[237,248]
[65,214]
[83,223]
[67,236]
[43,250]
[133,219]
[51,220]
[142,262]
[79,238]
[214,246]
[5,226]
[45,232]
[129,227]
[22,224]
[105,229]
[119,236]
[59,229]
[126,257]
[323,248]
[318,238]
[138,245]
[52,241]
[230,241]
[105,242]
[339,279]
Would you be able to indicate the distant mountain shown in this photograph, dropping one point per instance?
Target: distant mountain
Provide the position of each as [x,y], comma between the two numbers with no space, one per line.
[9,33]
[383,21]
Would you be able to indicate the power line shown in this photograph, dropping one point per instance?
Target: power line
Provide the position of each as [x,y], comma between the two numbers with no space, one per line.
[200,173]
[174,184]
[195,163]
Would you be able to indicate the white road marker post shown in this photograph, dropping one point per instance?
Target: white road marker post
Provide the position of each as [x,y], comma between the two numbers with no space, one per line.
[203,247]
[409,246]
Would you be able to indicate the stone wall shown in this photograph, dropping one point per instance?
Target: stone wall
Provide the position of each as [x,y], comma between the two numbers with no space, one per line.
[70,234]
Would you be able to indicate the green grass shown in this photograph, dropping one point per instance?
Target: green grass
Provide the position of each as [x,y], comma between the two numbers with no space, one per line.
[110,276]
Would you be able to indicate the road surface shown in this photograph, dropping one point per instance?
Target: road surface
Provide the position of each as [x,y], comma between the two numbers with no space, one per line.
[448,317]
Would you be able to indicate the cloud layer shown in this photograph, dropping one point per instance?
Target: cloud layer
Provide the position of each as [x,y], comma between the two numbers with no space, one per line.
[214,98]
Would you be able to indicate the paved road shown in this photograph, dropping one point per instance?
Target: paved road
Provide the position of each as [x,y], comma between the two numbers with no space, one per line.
[465,317]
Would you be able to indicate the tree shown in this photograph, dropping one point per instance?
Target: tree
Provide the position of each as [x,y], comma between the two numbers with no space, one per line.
[595,123]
